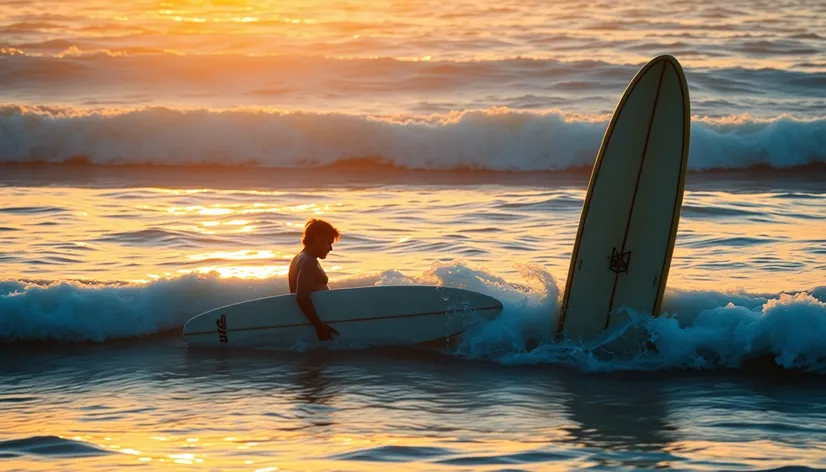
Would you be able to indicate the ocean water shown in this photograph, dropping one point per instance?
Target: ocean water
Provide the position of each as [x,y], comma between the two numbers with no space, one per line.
[159,159]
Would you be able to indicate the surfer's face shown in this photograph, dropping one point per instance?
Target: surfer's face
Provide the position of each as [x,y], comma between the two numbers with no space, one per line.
[322,246]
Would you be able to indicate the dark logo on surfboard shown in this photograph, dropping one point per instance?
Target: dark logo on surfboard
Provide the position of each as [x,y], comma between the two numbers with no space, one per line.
[619,261]
[222,328]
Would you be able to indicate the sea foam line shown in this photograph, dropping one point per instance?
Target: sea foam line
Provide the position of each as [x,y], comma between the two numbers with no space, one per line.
[496,139]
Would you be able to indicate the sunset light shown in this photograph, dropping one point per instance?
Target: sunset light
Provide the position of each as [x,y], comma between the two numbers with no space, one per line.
[379,236]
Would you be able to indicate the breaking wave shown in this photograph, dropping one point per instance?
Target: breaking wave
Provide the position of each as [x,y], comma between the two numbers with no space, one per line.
[493,139]
[698,329]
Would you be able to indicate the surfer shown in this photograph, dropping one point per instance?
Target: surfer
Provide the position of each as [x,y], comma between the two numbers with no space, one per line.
[306,274]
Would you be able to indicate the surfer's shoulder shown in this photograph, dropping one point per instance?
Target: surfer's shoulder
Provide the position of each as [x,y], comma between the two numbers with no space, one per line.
[304,260]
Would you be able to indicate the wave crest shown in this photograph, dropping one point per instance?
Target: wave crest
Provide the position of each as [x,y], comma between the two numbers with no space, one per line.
[497,139]
[699,329]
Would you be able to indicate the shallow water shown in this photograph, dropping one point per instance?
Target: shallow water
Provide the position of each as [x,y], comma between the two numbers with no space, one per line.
[732,235]
[123,257]
[405,409]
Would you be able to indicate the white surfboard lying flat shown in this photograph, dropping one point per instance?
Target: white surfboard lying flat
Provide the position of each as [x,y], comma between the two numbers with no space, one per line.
[629,219]
[375,316]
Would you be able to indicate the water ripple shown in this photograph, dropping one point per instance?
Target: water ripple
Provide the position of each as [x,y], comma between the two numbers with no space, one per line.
[32,210]
[49,446]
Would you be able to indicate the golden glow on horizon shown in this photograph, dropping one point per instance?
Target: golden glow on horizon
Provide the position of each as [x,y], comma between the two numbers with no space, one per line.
[215,210]
[322,28]
[223,210]
[242,272]
[240,255]
[217,17]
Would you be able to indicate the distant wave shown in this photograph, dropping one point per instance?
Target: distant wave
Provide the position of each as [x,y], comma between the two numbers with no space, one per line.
[141,63]
[138,75]
[699,330]
[494,139]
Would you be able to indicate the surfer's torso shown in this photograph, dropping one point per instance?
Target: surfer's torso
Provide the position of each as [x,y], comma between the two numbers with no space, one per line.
[304,261]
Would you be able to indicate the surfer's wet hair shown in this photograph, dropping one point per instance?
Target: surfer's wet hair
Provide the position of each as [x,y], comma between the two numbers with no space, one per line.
[318,228]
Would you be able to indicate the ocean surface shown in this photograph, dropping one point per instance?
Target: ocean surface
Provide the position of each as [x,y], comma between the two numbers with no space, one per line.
[159,159]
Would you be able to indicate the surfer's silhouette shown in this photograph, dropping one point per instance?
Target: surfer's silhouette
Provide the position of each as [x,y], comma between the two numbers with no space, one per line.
[306,274]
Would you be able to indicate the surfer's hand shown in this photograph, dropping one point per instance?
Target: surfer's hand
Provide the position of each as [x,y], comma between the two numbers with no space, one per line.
[325,332]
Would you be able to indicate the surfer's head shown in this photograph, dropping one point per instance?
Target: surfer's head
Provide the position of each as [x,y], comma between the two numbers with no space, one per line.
[319,237]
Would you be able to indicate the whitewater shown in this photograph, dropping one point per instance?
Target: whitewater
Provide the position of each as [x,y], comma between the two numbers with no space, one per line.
[496,139]
[159,159]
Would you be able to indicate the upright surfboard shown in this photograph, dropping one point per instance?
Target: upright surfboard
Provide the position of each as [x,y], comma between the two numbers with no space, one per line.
[373,316]
[629,220]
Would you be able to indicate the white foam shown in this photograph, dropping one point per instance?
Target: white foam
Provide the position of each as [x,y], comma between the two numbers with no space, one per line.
[699,329]
[71,311]
[495,139]
[705,330]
